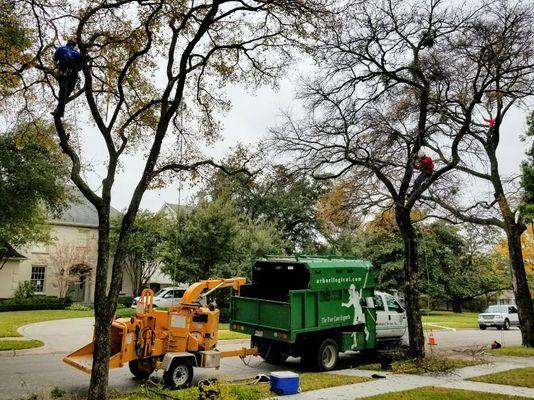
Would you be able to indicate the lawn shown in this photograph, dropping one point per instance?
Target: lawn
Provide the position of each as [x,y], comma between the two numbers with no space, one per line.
[435,393]
[11,320]
[466,320]
[19,344]
[243,390]
[514,351]
[514,377]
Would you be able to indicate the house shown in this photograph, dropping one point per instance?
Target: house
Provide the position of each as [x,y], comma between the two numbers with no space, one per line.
[68,263]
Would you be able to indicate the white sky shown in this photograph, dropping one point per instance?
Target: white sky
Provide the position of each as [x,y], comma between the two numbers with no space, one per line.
[248,122]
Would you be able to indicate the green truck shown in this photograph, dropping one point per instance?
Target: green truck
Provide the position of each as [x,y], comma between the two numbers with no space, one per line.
[314,308]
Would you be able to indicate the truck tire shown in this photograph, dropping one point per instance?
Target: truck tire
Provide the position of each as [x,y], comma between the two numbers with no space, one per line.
[141,368]
[499,327]
[482,327]
[323,357]
[179,375]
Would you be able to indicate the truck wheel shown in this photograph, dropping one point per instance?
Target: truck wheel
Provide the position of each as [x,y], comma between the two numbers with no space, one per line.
[179,375]
[506,325]
[482,327]
[141,369]
[326,355]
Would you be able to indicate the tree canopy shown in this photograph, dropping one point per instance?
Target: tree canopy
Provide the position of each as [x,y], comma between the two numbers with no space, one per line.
[33,176]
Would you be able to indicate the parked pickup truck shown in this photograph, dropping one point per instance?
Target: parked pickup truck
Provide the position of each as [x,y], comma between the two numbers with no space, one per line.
[314,308]
[500,316]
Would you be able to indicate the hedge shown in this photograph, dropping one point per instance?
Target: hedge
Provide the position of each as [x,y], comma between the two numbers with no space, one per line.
[125,300]
[34,303]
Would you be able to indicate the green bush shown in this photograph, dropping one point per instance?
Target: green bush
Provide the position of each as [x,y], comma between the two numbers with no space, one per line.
[78,307]
[34,303]
[120,306]
[125,300]
[25,290]
[125,312]
[57,393]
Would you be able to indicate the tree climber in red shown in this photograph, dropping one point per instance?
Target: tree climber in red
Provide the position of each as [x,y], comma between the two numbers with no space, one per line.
[491,122]
[424,164]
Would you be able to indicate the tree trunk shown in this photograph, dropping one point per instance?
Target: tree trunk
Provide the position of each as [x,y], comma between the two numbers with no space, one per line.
[456,305]
[522,296]
[104,312]
[411,294]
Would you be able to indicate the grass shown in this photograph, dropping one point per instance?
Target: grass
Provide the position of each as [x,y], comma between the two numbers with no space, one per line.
[514,351]
[466,320]
[515,377]
[428,365]
[19,344]
[435,393]
[11,320]
[243,391]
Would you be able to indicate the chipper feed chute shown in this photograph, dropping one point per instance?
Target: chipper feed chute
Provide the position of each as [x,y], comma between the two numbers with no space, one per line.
[83,357]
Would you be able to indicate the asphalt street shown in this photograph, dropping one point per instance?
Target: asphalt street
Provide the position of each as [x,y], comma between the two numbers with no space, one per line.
[38,371]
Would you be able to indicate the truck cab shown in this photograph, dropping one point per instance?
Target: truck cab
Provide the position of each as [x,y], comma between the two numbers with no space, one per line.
[390,318]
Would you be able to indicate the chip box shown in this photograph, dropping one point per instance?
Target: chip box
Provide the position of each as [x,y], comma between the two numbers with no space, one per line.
[284,382]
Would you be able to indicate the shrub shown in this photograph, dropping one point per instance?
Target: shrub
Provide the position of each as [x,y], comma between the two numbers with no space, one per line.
[25,290]
[57,393]
[78,307]
[125,300]
[125,312]
[34,303]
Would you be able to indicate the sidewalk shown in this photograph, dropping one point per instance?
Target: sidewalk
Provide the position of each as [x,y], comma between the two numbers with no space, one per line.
[399,382]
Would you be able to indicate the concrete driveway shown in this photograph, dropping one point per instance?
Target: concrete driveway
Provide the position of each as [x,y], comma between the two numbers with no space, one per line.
[39,370]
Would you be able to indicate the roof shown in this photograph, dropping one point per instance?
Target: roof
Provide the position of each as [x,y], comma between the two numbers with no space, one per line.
[174,208]
[8,252]
[80,212]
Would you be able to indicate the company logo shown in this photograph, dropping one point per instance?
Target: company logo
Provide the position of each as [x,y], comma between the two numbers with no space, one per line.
[344,279]
[335,319]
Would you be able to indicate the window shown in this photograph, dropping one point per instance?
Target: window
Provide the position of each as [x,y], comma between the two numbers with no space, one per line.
[393,306]
[379,304]
[38,277]
[512,310]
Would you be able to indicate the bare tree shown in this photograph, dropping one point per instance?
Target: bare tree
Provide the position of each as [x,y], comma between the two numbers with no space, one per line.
[70,264]
[389,72]
[152,68]
[504,39]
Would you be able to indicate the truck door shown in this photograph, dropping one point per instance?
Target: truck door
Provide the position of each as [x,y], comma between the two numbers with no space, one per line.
[382,326]
[396,316]
[514,317]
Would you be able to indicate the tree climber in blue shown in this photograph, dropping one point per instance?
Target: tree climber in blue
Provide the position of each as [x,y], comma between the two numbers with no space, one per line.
[69,63]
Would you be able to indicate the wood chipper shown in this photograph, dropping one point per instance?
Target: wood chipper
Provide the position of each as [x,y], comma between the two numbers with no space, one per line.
[174,340]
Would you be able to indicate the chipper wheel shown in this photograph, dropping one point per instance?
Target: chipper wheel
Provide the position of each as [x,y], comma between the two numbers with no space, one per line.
[141,368]
[179,375]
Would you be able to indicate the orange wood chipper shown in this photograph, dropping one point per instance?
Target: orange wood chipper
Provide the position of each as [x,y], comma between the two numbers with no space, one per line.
[174,340]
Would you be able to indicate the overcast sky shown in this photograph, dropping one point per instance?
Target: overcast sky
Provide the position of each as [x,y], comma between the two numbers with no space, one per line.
[248,122]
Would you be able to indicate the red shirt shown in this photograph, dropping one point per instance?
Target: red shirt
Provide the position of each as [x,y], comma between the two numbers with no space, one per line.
[426,165]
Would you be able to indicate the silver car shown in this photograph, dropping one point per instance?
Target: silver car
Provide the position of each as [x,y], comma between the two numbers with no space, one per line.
[166,297]
[499,316]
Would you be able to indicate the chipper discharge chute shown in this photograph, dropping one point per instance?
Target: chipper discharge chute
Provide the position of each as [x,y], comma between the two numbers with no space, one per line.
[175,340]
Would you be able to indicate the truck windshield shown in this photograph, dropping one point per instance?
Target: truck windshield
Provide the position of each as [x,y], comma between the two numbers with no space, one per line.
[496,309]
